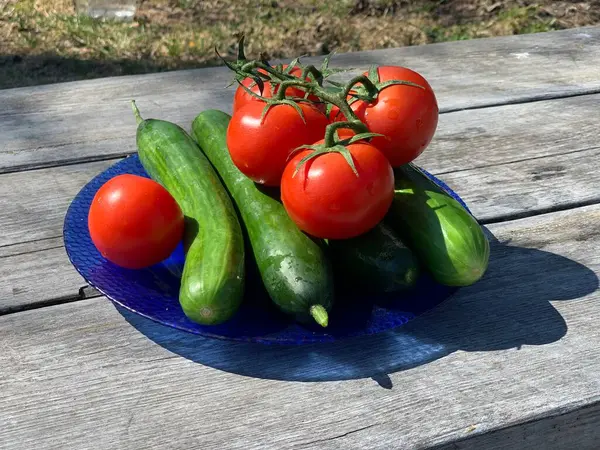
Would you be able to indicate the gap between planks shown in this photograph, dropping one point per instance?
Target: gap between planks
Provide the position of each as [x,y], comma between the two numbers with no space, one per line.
[64,162]
[85,293]
[526,99]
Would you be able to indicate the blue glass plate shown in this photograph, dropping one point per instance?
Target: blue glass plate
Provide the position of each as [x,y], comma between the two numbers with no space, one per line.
[153,292]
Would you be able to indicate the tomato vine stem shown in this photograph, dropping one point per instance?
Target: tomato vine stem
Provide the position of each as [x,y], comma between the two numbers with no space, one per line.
[364,80]
[251,69]
[355,125]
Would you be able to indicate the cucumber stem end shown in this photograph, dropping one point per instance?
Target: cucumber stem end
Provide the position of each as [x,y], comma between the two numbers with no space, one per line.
[136,112]
[319,313]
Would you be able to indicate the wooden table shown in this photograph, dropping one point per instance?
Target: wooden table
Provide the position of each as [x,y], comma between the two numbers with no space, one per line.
[512,362]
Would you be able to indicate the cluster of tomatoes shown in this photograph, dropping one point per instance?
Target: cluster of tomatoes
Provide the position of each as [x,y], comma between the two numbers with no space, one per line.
[326,196]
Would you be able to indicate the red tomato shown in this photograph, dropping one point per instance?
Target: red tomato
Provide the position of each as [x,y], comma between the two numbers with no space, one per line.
[327,200]
[241,97]
[406,115]
[134,222]
[261,150]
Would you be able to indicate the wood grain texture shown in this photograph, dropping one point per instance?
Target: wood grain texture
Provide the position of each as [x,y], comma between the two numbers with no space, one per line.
[529,187]
[33,204]
[37,273]
[35,245]
[466,140]
[52,124]
[521,345]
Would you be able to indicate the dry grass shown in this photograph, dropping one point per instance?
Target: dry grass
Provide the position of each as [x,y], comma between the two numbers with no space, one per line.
[44,41]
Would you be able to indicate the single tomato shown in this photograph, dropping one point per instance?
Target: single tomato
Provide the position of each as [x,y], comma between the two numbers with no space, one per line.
[134,222]
[261,150]
[327,200]
[241,97]
[406,115]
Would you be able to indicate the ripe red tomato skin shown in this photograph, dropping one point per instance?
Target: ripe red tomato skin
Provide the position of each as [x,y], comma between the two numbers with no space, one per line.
[406,115]
[326,199]
[261,150]
[134,222]
[241,97]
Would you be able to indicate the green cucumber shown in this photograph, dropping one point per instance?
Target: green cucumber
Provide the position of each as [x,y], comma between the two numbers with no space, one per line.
[444,236]
[376,261]
[293,267]
[212,282]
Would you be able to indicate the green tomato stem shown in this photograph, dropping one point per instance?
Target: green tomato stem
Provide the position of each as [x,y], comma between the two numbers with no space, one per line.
[278,75]
[355,125]
[364,80]
[285,80]
[317,75]
[337,99]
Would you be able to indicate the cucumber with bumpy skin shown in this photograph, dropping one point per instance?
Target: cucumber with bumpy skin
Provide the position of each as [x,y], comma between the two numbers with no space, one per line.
[445,237]
[293,267]
[212,282]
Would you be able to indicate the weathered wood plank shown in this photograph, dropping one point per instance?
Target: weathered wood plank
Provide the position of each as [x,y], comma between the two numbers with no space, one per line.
[494,193]
[493,136]
[501,134]
[528,187]
[47,125]
[33,204]
[30,247]
[37,273]
[520,345]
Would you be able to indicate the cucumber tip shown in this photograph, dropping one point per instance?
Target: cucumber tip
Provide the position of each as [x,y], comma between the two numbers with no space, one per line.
[319,313]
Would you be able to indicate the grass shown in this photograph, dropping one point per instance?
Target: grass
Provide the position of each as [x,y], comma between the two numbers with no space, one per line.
[44,41]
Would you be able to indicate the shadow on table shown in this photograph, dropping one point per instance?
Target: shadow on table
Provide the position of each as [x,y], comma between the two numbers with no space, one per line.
[31,70]
[508,308]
